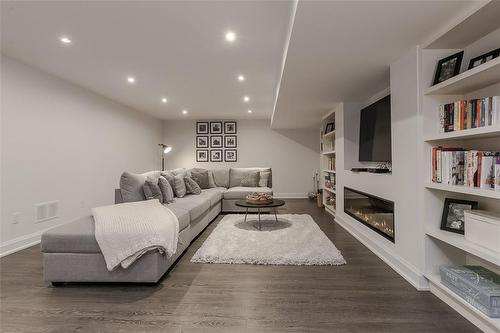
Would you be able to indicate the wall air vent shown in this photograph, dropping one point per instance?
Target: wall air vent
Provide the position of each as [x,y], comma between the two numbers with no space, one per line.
[45,211]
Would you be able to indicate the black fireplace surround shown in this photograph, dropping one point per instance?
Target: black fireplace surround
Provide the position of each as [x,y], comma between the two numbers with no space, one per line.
[374,212]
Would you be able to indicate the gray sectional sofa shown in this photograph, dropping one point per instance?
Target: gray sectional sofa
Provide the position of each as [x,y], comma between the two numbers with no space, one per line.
[72,254]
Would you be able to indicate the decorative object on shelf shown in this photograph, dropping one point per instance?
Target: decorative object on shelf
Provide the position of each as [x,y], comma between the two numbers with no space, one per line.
[483,228]
[448,67]
[216,141]
[330,127]
[164,150]
[453,218]
[476,285]
[259,198]
[202,155]
[484,58]
[315,178]
[202,127]
[202,141]
[230,127]
[320,198]
[230,155]
[216,155]
[230,141]
[216,127]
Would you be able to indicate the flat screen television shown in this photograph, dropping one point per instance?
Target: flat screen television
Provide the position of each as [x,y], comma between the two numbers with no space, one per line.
[375,132]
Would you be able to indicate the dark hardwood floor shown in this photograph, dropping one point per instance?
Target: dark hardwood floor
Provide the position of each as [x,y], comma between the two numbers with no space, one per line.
[365,295]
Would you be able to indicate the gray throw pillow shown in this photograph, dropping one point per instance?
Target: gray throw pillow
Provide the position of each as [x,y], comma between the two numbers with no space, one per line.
[200,176]
[250,180]
[264,178]
[152,190]
[169,177]
[179,186]
[192,186]
[166,190]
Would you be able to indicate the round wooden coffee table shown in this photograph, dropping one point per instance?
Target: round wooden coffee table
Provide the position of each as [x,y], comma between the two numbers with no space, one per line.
[274,204]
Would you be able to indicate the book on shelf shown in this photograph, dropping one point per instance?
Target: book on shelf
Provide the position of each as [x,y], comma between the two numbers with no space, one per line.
[466,114]
[472,168]
[477,285]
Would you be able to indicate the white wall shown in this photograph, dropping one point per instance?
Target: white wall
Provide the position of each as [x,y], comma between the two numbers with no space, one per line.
[62,142]
[406,255]
[293,154]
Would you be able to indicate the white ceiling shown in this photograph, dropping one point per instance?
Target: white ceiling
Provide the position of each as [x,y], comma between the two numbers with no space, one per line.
[339,50]
[173,49]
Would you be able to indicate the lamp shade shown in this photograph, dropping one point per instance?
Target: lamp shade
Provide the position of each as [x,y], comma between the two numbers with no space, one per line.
[166,149]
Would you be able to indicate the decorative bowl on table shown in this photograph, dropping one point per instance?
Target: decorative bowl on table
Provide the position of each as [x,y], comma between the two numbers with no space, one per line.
[257,198]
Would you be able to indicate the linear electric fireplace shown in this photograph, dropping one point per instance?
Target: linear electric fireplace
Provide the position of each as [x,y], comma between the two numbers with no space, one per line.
[374,212]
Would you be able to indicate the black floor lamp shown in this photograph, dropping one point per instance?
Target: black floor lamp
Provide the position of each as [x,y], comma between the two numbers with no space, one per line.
[165,150]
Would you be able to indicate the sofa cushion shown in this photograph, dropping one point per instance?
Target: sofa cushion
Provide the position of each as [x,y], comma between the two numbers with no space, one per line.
[221,177]
[200,176]
[196,205]
[182,216]
[214,194]
[236,175]
[250,180]
[166,190]
[240,192]
[192,187]
[152,190]
[179,186]
[131,185]
[264,178]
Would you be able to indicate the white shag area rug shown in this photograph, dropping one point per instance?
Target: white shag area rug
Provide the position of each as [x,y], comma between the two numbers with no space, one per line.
[294,240]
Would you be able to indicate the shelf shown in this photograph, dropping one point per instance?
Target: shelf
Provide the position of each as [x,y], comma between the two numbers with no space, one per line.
[478,318]
[464,190]
[470,80]
[329,135]
[329,190]
[329,171]
[330,209]
[328,152]
[461,243]
[472,133]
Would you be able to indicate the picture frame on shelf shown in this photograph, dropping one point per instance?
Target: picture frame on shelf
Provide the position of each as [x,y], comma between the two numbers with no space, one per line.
[230,155]
[202,127]
[230,141]
[216,127]
[202,155]
[202,141]
[230,127]
[216,155]
[453,219]
[484,58]
[216,141]
[330,127]
[448,67]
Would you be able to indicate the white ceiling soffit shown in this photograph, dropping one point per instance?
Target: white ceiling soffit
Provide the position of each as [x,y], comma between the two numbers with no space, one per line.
[173,49]
[341,51]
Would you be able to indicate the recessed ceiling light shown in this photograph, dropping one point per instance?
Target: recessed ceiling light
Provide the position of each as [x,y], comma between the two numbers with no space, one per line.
[164,100]
[184,111]
[246,99]
[241,78]
[131,79]
[230,36]
[65,40]
[249,111]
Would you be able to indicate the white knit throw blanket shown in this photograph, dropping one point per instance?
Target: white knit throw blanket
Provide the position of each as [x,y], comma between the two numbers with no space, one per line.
[126,231]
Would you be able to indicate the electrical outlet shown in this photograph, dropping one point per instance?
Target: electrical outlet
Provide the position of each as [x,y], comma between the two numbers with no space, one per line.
[16,218]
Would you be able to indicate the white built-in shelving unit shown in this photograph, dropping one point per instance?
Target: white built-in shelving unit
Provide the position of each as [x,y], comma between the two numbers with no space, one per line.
[328,170]
[473,33]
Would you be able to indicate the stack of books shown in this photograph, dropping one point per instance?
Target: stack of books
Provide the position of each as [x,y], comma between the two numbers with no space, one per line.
[331,163]
[466,114]
[473,168]
[476,285]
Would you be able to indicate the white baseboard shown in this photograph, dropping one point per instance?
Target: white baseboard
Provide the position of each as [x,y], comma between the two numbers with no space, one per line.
[290,195]
[408,271]
[21,243]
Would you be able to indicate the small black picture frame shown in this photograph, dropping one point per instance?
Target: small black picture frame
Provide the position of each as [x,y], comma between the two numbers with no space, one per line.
[202,127]
[216,127]
[216,141]
[230,141]
[474,62]
[330,127]
[202,155]
[448,67]
[216,155]
[230,155]
[453,214]
[202,141]
[230,127]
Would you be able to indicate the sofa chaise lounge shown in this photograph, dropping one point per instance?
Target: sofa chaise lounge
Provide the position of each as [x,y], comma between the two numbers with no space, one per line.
[72,254]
